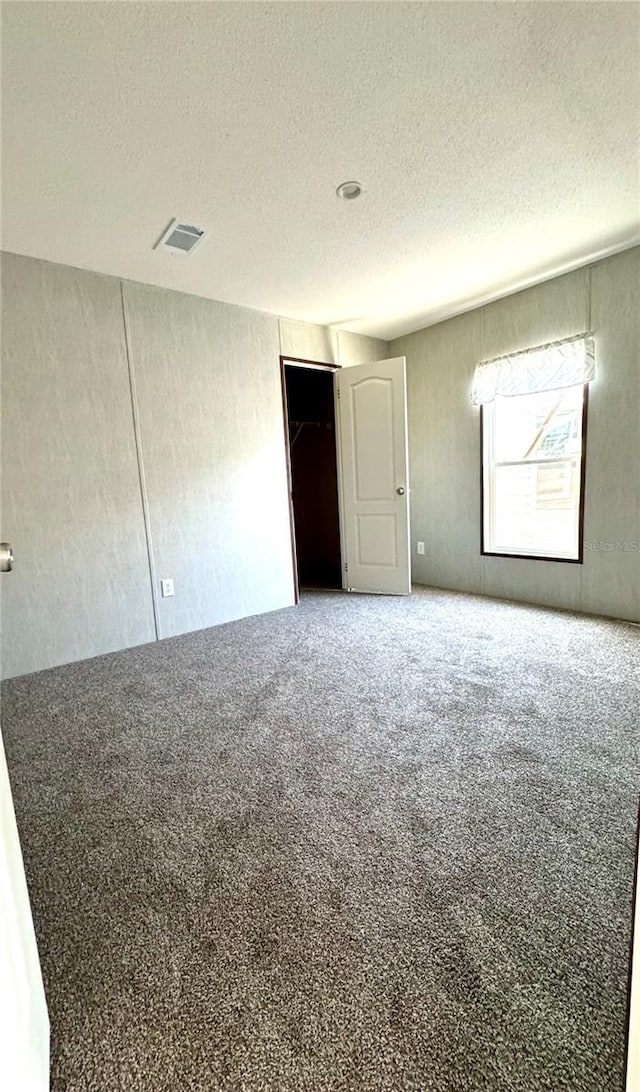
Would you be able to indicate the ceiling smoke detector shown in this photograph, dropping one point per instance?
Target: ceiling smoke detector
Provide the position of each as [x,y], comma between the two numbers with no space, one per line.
[180,238]
[348,191]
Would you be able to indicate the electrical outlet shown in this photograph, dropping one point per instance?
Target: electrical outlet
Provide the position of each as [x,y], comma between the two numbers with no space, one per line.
[167,587]
[421,547]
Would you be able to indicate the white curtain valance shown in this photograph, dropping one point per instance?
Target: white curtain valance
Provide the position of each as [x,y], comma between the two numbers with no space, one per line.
[545,368]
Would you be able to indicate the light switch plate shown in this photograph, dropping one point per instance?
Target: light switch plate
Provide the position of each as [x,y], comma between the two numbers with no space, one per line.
[167,587]
[421,547]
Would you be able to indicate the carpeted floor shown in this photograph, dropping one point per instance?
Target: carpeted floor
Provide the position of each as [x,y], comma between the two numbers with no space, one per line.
[368,845]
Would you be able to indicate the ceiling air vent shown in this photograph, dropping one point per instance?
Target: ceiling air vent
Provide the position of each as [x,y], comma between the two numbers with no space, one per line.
[180,238]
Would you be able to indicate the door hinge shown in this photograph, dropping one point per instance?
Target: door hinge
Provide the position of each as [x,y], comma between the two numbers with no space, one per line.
[346,567]
[338,392]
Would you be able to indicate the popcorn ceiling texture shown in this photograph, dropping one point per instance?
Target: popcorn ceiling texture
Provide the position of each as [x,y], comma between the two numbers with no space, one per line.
[497,145]
[366,845]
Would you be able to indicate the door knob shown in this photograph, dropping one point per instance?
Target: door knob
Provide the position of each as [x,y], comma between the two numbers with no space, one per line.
[6,557]
[400,491]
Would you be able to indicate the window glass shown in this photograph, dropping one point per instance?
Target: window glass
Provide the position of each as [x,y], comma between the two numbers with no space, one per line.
[532,455]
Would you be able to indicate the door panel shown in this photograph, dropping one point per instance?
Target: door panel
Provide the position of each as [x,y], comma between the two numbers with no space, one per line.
[373,450]
[377,540]
[372,413]
[24,1022]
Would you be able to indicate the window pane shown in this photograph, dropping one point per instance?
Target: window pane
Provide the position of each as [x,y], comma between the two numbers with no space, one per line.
[532,474]
[535,508]
[534,426]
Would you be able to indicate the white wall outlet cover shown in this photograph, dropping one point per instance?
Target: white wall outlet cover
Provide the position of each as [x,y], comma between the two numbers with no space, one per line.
[167,587]
[421,547]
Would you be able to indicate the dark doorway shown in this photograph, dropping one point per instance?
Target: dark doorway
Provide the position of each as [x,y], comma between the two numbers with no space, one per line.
[314,475]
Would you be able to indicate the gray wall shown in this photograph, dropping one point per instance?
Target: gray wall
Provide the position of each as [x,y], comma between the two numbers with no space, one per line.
[360,349]
[207,386]
[137,450]
[71,504]
[444,449]
[308,341]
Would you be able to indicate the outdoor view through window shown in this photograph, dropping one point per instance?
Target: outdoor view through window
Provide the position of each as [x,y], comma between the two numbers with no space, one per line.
[532,474]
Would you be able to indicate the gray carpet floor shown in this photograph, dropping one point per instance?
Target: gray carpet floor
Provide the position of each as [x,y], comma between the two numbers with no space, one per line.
[366,845]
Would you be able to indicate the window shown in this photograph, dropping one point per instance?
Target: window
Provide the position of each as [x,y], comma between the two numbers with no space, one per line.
[534,418]
[532,473]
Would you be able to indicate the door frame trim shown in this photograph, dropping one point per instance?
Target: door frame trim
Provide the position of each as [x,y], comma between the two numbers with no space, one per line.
[326,366]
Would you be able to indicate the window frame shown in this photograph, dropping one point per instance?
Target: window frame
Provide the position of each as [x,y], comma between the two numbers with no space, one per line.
[581,501]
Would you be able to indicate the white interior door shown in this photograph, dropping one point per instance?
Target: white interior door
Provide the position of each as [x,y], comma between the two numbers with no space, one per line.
[372,400]
[24,1023]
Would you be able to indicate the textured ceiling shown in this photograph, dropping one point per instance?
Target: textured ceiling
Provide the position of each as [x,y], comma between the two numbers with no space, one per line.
[497,144]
